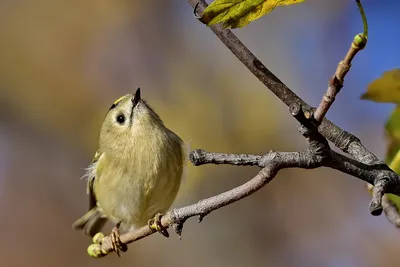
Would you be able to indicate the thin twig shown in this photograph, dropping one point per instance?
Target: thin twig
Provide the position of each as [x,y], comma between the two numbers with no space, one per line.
[336,82]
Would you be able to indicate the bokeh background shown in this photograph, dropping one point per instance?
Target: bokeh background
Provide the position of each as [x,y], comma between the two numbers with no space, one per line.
[62,64]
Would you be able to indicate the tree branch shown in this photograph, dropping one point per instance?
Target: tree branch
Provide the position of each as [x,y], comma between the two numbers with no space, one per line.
[336,82]
[271,163]
[345,141]
[342,139]
[199,157]
[314,157]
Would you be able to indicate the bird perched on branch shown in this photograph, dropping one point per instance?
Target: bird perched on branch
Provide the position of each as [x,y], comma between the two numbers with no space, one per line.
[136,173]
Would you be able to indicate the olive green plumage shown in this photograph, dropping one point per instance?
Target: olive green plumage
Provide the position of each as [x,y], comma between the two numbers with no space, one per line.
[137,171]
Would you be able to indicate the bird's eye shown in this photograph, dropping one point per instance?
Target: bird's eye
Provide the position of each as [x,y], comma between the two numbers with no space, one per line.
[121,119]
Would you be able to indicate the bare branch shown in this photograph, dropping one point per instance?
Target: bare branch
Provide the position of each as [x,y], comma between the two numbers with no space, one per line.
[377,193]
[336,82]
[199,157]
[272,162]
[345,141]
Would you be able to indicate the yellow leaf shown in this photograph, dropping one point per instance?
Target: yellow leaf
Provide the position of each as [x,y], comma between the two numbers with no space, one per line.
[395,166]
[392,129]
[392,132]
[385,89]
[239,13]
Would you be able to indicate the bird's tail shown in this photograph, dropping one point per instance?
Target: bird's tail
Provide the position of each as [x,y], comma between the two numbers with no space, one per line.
[91,223]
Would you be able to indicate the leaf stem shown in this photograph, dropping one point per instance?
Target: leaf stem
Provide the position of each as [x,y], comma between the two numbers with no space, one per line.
[364,17]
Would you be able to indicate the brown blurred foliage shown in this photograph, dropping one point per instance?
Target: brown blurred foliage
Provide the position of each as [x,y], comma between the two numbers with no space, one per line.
[64,62]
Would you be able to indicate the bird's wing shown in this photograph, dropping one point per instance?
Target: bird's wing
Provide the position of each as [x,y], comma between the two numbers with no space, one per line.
[90,179]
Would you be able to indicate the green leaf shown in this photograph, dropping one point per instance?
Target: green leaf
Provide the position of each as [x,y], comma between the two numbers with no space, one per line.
[239,13]
[392,131]
[395,166]
[385,89]
[392,128]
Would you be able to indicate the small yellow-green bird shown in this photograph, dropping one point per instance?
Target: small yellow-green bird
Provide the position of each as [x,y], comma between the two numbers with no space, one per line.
[136,173]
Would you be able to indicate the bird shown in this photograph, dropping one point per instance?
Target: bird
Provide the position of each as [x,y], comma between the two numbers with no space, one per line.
[135,174]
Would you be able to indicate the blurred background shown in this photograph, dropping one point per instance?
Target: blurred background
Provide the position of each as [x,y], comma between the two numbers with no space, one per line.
[62,64]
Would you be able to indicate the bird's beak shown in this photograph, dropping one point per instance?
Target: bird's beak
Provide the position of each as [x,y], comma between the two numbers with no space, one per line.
[135,100]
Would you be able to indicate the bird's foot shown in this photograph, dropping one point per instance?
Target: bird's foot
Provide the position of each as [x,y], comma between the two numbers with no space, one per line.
[155,224]
[117,245]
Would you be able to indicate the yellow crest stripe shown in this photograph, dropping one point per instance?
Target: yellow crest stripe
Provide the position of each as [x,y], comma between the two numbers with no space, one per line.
[117,102]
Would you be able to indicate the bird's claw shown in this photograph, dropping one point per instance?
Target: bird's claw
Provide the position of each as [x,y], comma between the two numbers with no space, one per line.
[155,224]
[117,245]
